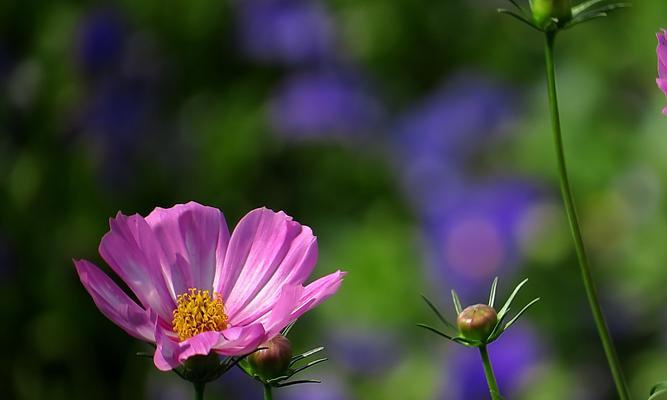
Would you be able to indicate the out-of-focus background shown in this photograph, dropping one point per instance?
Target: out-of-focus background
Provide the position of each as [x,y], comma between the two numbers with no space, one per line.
[411,135]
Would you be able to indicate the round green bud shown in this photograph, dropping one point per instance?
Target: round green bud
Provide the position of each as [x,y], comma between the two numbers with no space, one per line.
[273,360]
[544,10]
[476,322]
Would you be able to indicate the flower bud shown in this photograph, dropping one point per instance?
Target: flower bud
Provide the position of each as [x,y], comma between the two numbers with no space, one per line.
[274,360]
[545,10]
[476,322]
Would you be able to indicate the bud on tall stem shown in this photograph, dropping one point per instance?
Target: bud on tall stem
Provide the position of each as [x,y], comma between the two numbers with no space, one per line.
[545,10]
[274,359]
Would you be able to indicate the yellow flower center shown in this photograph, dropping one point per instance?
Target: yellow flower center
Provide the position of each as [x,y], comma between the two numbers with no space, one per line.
[197,312]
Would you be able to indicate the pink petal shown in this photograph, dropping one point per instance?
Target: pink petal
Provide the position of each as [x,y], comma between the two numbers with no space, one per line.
[133,253]
[293,270]
[171,353]
[240,340]
[293,302]
[194,240]
[662,53]
[662,84]
[258,245]
[317,292]
[114,303]
[168,349]
[664,110]
[276,316]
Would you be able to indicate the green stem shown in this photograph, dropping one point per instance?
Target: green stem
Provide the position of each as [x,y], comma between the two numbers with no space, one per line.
[490,377]
[199,390]
[568,200]
[267,392]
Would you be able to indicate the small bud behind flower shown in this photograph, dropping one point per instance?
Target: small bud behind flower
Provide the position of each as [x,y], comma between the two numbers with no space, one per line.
[545,10]
[477,322]
[274,360]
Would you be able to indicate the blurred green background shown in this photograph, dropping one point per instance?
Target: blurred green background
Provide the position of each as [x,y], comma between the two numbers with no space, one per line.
[411,135]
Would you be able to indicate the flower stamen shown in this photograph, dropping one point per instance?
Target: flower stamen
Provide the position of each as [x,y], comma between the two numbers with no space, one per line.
[197,312]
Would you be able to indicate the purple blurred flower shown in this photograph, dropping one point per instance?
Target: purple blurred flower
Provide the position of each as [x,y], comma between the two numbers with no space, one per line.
[324,103]
[100,40]
[475,237]
[117,112]
[236,384]
[286,31]
[362,351]
[662,63]
[433,141]
[159,387]
[515,357]
[449,124]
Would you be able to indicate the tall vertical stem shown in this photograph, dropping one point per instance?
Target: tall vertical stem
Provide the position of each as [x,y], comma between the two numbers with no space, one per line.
[199,390]
[568,201]
[267,392]
[490,377]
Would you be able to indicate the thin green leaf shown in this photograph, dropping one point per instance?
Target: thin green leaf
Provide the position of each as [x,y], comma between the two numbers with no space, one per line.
[437,312]
[288,328]
[585,6]
[498,329]
[492,295]
[611,7]
[457,302]
[298,382]
[179,373]
[515,4]
[236,360]
[305,355]
[523,310]
[310,364]
[519,17]
[507,304]
[467,342]
[278,379]
[436,331]
[659,386]
[595,13]
[144,354]
[587,18]
[659,395]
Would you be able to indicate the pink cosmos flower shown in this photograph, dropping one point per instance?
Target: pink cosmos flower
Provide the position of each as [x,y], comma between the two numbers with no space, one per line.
[662,63]
[201,289]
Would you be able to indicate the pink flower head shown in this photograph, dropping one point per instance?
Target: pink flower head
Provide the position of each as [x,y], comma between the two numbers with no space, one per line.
[662,63]
[201,289]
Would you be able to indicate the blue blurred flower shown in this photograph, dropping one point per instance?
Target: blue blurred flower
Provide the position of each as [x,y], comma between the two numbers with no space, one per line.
[362,351]
[286,31]
[164,387]
[323,103]
[476,236]
[236,384]
[433,141]
[117,112]
[448,125]
[515,356]
[100,40]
